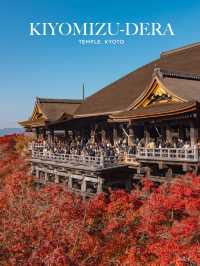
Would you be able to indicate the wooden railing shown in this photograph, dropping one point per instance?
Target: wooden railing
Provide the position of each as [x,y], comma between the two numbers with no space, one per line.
[162,154]
[86,160]
[169,154]
[35,146]
[129,158]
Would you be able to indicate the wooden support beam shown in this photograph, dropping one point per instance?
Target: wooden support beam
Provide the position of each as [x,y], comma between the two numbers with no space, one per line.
[146,135]
[51,136]
[128,184]
[91,179]
[115,136]
[103,135]
[44,134]
[181,132]
[70,183]
[99,185]
[66,134]
[163,132]
[80,177]
[37,173]
[168,134]
[46,177]
[185,167]
[32,169]
[102,160]
[83,188]
[160,165]
[169,173]
[138,170]
[130,136]
[56,180]
[147,171]
[193,134]
[92,135]
[37,131]
[48,136]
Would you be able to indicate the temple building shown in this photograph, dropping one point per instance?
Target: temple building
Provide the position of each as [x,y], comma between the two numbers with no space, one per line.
[154,110]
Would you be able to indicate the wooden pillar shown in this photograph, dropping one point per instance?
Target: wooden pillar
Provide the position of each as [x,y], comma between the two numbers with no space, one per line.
[147,171]
[102,160]
[99,185]
[130,136]
[51,135]
[168,134]
[75,134]
[115,136]
[169,173]
[56,180]
[128,184]
[48,136]
[193,134]
[45,177]
[181,132]
[32,169]
[37,172]
[37,131]
[163,132]
[83,188]
[92,135]
[44,135]
[103,135]
[70,183]
[66,134]
[146,135]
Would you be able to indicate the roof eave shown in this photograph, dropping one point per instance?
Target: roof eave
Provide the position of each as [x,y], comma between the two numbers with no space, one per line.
[127,117]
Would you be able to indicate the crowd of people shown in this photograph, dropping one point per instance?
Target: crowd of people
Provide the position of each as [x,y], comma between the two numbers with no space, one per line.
[160,143]
[82,146]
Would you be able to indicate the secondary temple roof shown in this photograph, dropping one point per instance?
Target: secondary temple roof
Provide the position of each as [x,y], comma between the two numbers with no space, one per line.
[49,110]
[55,108]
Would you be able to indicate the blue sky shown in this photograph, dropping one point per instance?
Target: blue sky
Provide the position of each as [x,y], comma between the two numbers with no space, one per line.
[57,66]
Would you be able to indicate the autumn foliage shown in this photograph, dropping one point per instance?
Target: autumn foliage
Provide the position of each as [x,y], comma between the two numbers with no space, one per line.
[51,226]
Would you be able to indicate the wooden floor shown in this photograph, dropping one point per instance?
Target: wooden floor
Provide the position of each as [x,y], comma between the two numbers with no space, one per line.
[75,165]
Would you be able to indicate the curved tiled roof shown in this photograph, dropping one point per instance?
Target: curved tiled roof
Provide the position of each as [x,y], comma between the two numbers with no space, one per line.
[184,88]
[122,94]
[55,108]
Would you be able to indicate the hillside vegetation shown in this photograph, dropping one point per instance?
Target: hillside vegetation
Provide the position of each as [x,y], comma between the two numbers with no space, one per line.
[51,226]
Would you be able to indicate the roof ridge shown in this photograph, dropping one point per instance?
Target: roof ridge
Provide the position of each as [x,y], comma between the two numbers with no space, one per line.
[192,45]
[57,100]
[175,74]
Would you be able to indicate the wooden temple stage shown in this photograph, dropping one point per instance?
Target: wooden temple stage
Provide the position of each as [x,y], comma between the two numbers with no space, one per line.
[90,175]
[87,175]
[156,103]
